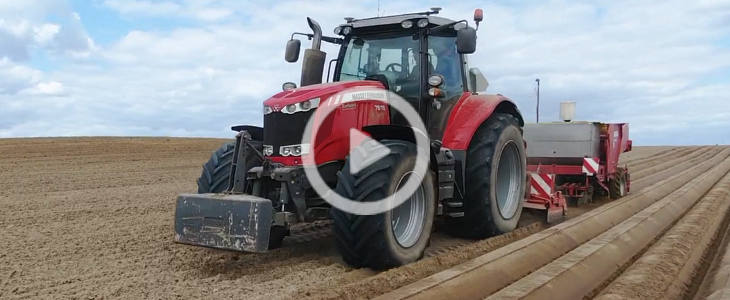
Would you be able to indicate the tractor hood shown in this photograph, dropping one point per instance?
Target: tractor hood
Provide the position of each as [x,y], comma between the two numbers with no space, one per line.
[322,91]
[284,127]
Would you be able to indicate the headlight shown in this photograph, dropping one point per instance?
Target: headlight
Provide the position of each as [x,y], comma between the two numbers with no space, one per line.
[406,24]
[285,150]
[301,106]
[422,23]
[435,80]
[306,105]
[294,150]
[346,30]
[267,110]
[268,150]
[291,108]
[338,30]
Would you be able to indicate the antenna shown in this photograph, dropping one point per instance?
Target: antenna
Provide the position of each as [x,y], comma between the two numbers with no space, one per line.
[378,8]
[537,109]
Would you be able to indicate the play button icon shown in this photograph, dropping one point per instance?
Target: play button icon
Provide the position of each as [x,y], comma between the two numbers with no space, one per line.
[364,151]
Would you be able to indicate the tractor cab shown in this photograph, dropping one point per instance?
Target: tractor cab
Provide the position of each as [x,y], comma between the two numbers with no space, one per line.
[419,56]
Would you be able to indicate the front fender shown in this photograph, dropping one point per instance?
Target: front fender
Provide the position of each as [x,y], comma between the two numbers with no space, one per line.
[470,113]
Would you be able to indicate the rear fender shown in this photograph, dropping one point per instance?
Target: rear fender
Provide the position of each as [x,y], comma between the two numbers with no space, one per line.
[471,111]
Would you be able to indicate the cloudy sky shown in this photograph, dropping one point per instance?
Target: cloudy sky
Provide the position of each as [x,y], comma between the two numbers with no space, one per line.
[192,68]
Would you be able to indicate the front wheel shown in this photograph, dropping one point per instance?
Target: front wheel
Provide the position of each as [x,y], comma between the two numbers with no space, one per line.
[216,171]
[392,238]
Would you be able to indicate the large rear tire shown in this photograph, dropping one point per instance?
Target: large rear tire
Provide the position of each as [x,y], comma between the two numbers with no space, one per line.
[495,180]
[389,239]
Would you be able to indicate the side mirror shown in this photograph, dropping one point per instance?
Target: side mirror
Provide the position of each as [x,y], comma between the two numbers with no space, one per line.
[477,81]
[292,50]
[466,40]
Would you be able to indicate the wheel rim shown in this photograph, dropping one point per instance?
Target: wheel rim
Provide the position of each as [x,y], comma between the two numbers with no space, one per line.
[509,178]
[407,219]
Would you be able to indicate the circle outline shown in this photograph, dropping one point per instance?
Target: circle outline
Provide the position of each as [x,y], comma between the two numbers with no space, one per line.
[391,201]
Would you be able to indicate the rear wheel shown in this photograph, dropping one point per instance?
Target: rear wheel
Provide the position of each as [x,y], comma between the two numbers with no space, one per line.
[392,238]
[587,196]
[617,185]
[495,180]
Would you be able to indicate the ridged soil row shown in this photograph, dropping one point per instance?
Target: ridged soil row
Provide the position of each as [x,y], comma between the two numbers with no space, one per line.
[658,166]
[587,268]
[638,164]
[666,270]
[392,279]
[630,159]
[716,284]
[493,271]
[680,166]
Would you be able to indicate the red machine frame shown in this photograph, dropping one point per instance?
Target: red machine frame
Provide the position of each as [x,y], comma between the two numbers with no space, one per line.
[545,195]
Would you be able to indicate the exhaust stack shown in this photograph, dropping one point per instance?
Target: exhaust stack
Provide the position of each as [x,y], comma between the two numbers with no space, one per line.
[313,61]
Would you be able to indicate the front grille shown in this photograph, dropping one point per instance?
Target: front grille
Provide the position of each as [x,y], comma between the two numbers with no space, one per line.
[282,129]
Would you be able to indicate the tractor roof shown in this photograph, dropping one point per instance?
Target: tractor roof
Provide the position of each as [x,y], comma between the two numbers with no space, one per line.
[397,19]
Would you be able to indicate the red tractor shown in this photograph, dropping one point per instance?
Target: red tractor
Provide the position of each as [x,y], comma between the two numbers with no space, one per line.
[252,190]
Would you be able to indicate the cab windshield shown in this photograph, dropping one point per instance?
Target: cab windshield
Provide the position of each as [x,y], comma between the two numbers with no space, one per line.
[394,58]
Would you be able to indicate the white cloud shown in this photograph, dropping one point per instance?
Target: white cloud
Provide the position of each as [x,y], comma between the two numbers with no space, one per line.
[17,77]
[45,33]
[24,26]
[50,88]
[144,7]
[201,10]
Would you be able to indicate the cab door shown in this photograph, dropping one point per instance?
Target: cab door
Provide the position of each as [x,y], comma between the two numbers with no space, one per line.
[443,60]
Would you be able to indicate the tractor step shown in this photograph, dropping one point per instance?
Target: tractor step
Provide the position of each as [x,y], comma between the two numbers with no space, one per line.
[227,221]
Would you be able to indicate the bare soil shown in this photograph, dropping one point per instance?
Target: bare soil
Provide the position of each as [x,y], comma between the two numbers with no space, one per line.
[93,218]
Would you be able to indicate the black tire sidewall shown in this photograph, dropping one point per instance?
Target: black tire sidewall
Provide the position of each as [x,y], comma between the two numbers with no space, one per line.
[511,134]
[368,240]
[221,158]
[414,252]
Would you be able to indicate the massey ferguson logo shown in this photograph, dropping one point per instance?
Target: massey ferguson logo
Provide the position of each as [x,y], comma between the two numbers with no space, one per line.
[357,96]
[276,107]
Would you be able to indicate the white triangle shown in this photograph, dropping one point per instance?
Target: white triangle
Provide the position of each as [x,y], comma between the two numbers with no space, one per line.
[364,151]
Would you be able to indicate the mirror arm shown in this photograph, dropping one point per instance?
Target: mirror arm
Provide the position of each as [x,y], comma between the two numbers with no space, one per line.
[328,39]
[308,35]
[333,40]
[442,27]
